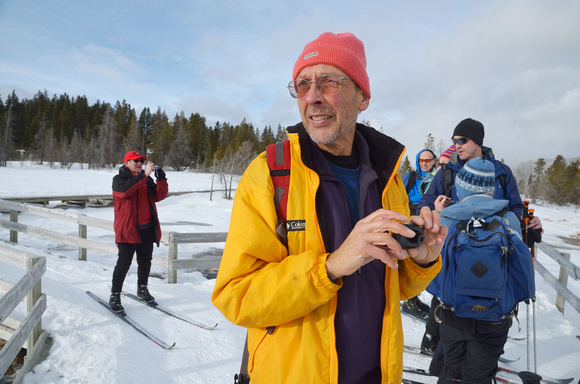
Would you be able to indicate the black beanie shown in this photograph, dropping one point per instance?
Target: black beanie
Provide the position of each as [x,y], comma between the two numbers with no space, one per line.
[472,129]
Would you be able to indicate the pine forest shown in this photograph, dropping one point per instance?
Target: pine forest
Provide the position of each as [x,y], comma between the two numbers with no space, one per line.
[63,130]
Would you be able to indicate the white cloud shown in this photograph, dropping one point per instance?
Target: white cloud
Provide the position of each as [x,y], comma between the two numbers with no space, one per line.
[513,65]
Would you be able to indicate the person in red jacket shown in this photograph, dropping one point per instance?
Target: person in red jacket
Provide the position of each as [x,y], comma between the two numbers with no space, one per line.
[136,222]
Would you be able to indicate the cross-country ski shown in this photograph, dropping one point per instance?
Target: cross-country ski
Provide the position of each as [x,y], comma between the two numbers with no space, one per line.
[123,316]
[169,312]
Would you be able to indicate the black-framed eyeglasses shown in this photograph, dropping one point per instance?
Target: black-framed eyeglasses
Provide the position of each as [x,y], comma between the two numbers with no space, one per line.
[326,84]
[460,141]
[139,161]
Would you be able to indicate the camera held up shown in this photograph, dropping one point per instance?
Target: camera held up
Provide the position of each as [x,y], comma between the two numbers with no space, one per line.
[413,242]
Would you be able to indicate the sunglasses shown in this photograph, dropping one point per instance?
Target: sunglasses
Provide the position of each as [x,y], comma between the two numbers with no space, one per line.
[425,161]
[460,141]
[139,161]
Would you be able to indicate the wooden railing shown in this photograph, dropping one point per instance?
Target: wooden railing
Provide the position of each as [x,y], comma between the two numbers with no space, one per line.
[27,333]
[567,268]
[171,239]
[85,200]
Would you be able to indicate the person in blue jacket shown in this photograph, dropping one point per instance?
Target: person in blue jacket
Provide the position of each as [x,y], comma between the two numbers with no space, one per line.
[468,139]
[470,347]
[425,163]
[414,182]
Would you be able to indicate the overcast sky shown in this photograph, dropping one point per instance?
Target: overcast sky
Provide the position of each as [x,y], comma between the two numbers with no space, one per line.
[513,65]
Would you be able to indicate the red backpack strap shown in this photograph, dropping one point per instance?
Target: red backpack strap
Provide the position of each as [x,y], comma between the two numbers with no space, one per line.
[278,155]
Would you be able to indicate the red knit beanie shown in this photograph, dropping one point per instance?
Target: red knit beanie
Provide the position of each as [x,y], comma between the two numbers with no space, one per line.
[343,51]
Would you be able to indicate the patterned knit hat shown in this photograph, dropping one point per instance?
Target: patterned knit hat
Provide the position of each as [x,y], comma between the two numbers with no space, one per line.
[448,151]
[476,177]
[343,51]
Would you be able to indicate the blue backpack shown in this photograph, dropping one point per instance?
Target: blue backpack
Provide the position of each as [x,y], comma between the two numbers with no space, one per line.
[486,269]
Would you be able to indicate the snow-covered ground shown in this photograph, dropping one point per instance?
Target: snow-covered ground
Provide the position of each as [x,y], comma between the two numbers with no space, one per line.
[92,346]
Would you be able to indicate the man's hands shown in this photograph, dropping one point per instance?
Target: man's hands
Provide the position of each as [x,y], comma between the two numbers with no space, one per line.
[435,235]
[441,202]
[370,240]
[149,168]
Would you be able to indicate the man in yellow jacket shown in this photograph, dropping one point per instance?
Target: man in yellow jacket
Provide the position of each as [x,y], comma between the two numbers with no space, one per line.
[325,309]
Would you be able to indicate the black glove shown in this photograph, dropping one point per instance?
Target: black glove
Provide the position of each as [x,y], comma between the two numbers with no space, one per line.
[534,236]
[160,174]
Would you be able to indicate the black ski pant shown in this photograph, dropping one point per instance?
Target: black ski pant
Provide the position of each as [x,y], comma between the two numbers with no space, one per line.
[144,252]
[471,348]
[432,326]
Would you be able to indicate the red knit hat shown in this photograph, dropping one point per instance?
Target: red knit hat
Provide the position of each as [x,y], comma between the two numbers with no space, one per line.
[343,51]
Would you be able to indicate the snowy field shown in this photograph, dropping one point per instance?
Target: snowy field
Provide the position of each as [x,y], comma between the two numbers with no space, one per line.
[92,346]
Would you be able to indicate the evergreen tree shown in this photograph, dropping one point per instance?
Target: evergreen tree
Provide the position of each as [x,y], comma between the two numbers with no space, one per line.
[51,147]
[108,148]
[124,116]
[213,145]
[64,154]
[430,142]
[134,140]
[6,136]
[77,149]
[266,138]
[555,191]
[281,134]
[145,126]
[161,136]
[570,183]
[198,134]
[180,155]
[405,167]
[536,182]
[441,147]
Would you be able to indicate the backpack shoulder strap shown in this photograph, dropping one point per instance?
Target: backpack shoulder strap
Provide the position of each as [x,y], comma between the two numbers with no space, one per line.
[278,156]
[411,181]
[502,181]
[448,179]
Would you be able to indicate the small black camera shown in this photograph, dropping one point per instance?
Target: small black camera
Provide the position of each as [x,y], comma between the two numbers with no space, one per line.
[414,242]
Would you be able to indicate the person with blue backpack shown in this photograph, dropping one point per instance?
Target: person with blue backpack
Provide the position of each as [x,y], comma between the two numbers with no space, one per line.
[468,138]
[487,270]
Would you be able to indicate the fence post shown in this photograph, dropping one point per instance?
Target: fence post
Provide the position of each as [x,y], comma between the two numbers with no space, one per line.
[31,300]
[14,219]
[82,235]
[171,255]
[563,278]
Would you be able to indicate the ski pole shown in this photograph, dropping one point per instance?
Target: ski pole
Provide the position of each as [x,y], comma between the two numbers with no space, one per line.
[526,217]
[532,250]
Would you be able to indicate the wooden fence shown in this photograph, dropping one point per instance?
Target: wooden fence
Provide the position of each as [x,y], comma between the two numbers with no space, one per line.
[27,333]
[171,239]
[560,284]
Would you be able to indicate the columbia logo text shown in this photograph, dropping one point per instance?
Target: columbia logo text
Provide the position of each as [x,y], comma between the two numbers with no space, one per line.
[296,225]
